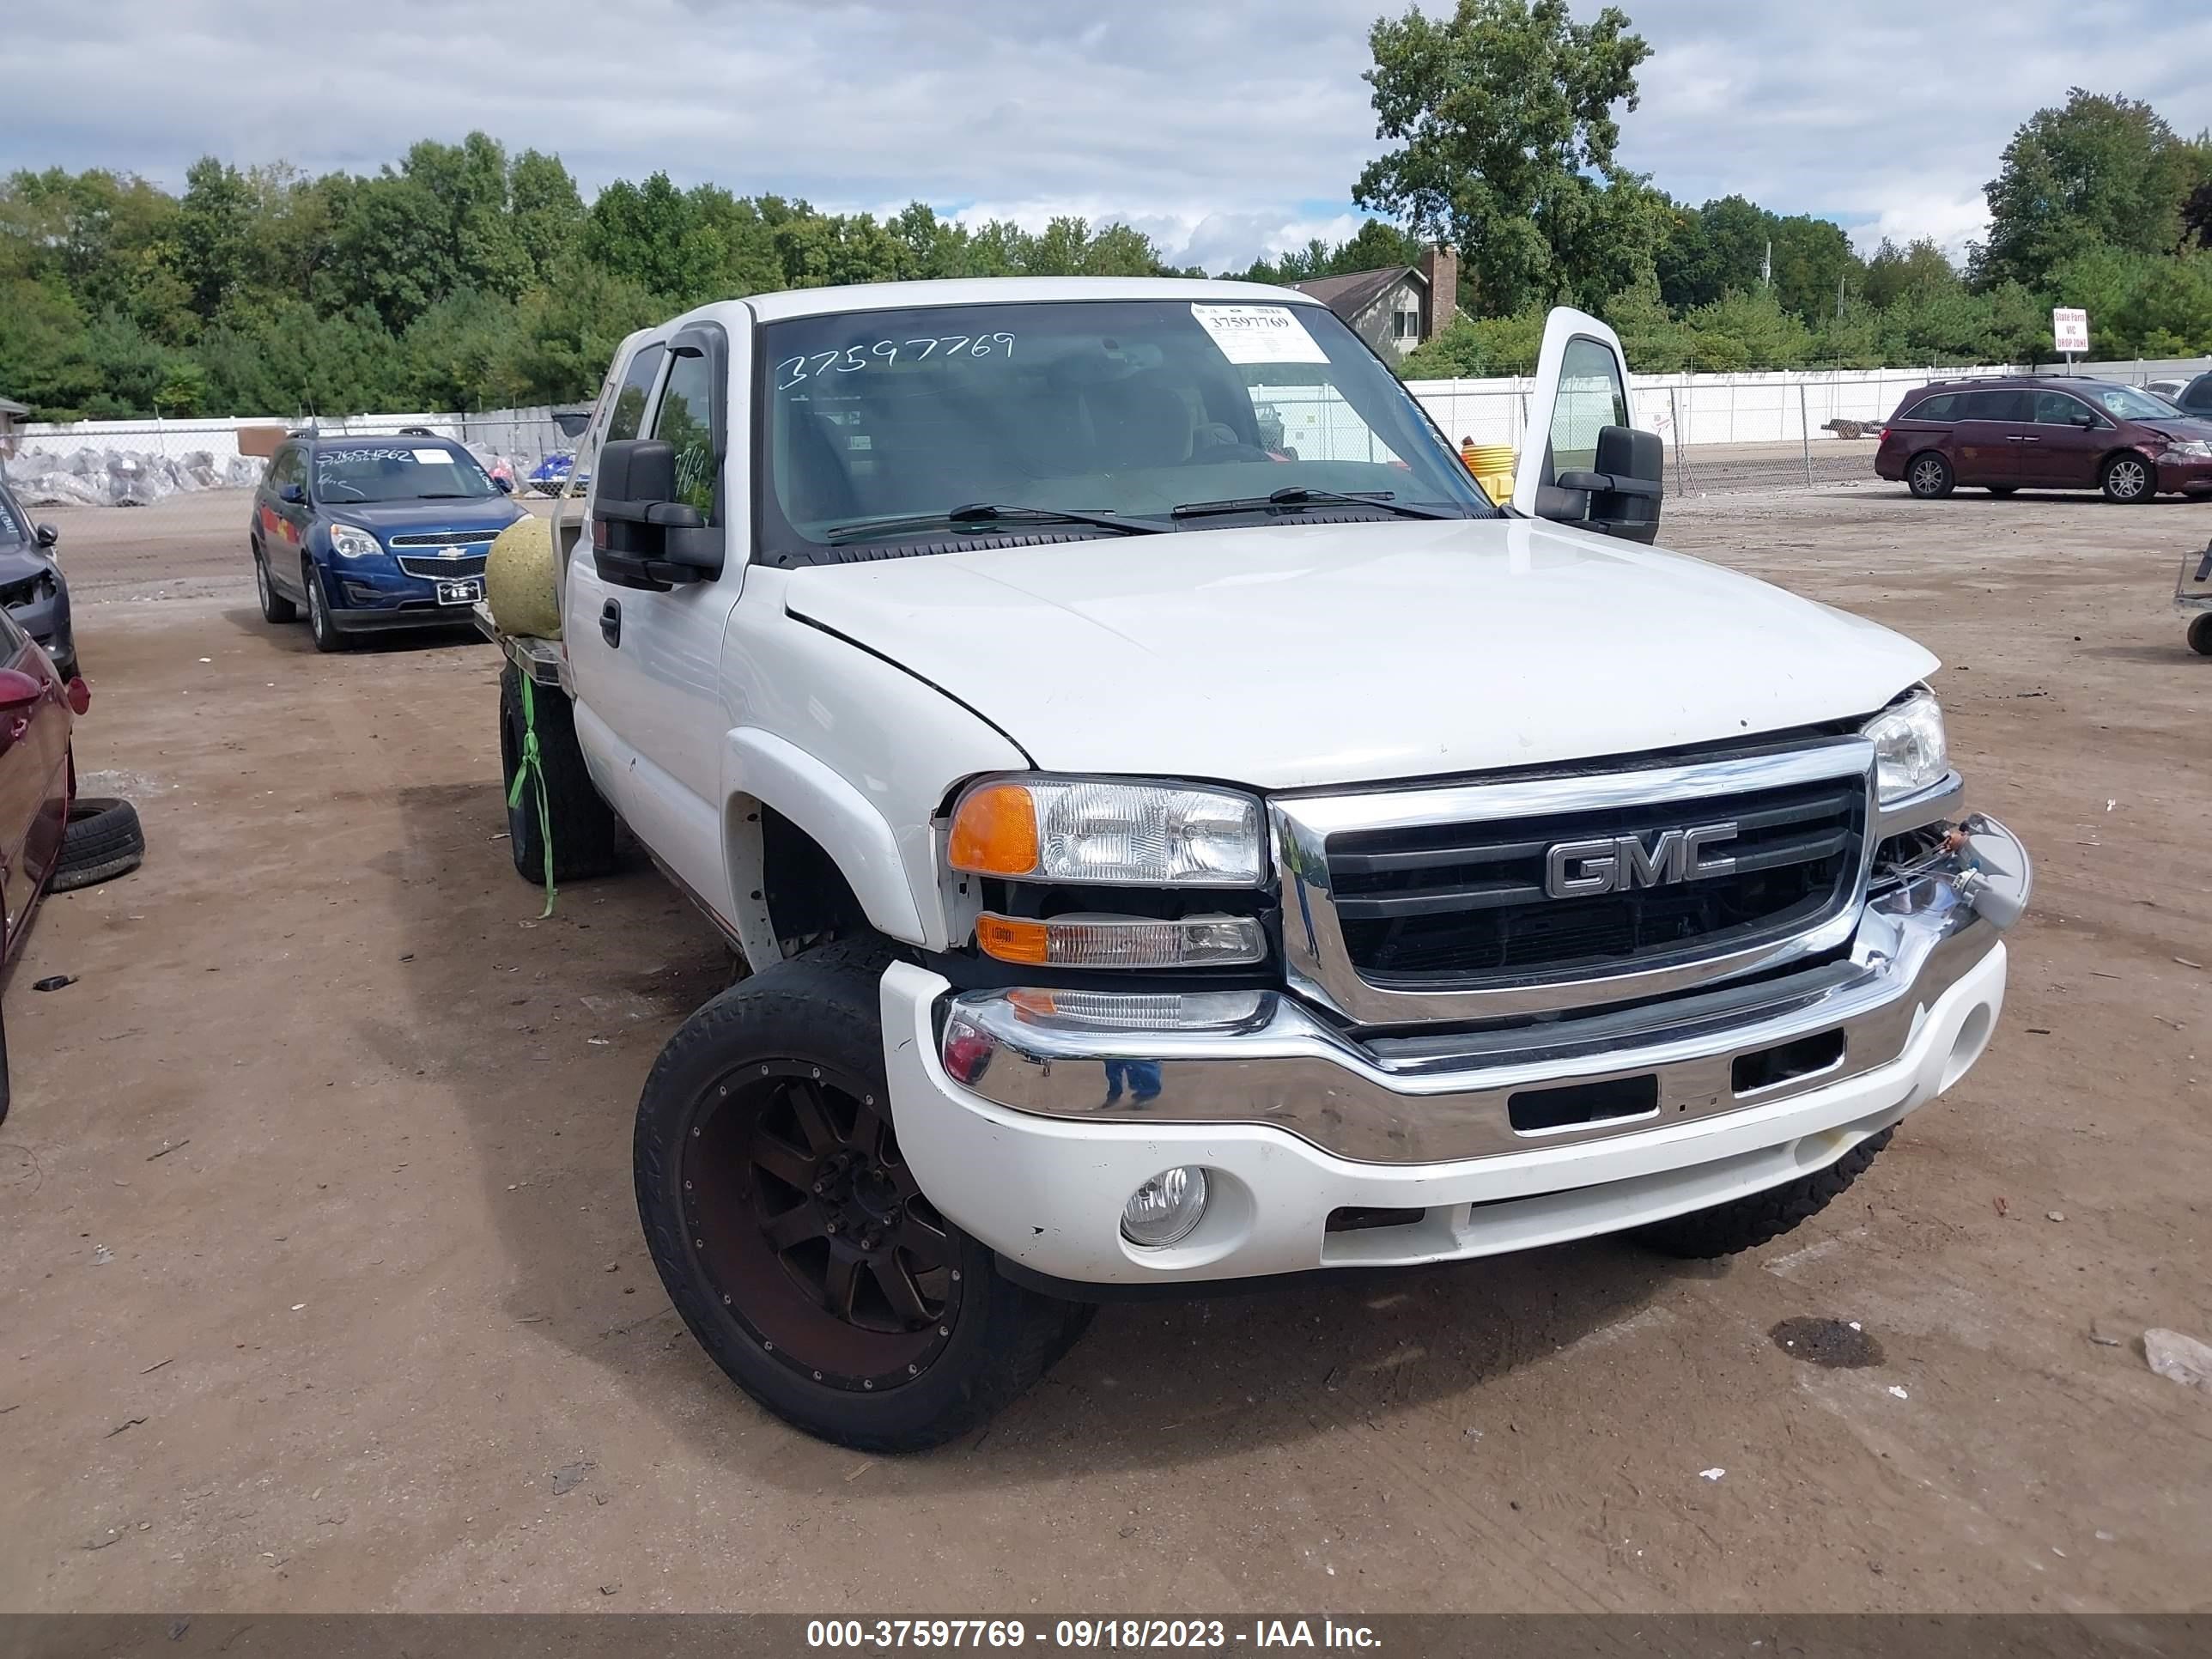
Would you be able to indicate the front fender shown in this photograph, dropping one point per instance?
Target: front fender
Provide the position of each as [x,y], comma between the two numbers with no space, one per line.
[840,819]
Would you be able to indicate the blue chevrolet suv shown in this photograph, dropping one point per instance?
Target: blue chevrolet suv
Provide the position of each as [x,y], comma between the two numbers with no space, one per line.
[368,533]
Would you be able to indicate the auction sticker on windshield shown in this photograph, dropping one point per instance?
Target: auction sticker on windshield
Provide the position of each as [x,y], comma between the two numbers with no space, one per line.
[1259,334]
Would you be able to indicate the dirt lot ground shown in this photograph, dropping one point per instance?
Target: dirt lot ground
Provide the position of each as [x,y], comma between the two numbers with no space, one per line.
[321,1287]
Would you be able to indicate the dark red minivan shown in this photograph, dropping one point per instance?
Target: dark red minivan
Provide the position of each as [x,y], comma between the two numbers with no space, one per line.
[2045,433]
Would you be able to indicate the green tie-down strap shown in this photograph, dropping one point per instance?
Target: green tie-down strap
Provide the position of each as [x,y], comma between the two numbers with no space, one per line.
[533,769]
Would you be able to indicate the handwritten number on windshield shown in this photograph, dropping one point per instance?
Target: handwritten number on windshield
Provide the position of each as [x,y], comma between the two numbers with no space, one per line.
[811,365]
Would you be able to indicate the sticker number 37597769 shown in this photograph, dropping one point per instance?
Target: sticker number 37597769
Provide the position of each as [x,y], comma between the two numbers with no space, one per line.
[853,359]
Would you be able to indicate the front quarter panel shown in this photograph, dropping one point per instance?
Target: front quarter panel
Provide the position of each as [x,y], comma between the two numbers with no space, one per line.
[857,752]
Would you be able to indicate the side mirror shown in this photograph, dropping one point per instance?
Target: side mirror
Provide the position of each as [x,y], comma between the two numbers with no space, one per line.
[1621,492]
[19,690]
[45,536]
[293,494]
[642,535]
[505,486]
[2086,420]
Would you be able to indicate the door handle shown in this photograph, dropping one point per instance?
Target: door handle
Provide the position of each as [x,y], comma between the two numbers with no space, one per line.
[610,623]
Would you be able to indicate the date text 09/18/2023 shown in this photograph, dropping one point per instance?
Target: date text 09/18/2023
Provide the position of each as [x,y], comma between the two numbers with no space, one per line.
[877,1635]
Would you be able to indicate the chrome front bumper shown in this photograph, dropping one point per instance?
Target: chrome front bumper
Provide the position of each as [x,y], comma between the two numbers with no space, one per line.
[1261,1058]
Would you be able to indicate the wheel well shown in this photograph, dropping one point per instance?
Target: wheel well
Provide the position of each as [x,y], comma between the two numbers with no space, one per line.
[807,896]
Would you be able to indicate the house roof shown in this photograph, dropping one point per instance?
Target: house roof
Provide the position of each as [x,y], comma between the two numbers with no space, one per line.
[1352,292]
[10,406]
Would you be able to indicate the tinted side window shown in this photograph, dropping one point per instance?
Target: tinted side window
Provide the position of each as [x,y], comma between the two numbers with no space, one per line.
[685,419]
[1995,406]
[2197,394]
[1944,406]
[2056,408]
[629,415]
[1590,396]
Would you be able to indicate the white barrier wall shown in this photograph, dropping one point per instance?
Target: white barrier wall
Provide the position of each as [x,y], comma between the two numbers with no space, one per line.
[525,435]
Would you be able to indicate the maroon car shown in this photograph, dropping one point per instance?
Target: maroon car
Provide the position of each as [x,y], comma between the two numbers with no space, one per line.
[36,779]
[2025,432]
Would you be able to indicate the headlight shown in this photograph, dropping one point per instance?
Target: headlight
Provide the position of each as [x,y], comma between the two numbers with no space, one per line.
[1910,751]
[350,541]
[2193,449]
[1077,830]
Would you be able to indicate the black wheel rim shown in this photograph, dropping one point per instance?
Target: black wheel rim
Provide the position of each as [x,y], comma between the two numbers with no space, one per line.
[810,1231]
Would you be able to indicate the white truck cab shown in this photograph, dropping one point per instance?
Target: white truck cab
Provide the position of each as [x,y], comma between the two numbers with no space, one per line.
[1180,831]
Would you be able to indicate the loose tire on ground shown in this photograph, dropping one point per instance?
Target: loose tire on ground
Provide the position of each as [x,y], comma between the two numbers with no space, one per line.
[2127,479]
[1928,476]
[2200,634]
[103,839]
[794,1241]
[275,607]
[587,837]
[319,622]
[1746,1223]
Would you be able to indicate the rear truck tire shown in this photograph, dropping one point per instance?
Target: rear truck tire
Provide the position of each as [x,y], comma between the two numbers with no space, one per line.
[2128,478]
[587,835]
[275,607]
[327,636]
[1746,1223]
[102,839]
[1929,476]
[2200,634]
[794,1241]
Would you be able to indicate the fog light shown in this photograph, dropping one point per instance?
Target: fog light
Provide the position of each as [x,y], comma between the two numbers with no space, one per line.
[1164,1209]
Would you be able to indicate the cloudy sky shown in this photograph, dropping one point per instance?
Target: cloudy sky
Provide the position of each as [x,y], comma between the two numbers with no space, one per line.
[1223,128]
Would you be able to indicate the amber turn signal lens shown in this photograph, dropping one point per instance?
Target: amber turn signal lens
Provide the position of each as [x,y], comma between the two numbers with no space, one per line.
[1013,940]
[994,833]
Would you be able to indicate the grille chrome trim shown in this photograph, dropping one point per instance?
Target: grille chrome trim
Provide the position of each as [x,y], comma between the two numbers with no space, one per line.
[1319,965]
[447,538]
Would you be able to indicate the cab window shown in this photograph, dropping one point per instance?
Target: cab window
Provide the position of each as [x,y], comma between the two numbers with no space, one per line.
[1591,398]
[685,421]
[628,414]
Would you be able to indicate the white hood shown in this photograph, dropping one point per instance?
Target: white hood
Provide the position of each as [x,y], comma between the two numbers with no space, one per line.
[1304,654]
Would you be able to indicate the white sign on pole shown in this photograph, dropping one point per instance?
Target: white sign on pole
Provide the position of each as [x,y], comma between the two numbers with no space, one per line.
[2069,331]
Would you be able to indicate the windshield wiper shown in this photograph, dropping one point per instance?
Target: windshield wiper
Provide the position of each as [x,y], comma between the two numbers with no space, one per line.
[1294,495]
[989,513]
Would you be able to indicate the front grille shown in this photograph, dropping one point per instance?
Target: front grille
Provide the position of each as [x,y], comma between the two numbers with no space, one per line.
[447,538]
[444,569]
[1458,905]
[29,591]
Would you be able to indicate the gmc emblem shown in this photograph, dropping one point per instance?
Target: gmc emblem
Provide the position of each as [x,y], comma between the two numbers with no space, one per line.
[1615,864]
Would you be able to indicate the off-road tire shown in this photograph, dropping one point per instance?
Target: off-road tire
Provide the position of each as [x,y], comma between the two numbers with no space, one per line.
[817,1012]
[275,607]
[1745,1224]
[1929,476]
[102,839]
[2200,634]
[2127,479]
[328,636]
[587,838]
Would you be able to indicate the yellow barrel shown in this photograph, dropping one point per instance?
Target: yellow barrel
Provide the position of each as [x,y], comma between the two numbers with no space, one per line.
[1492,467]
[519,581]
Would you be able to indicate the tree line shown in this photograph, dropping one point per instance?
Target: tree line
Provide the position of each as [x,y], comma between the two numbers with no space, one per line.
[462,277]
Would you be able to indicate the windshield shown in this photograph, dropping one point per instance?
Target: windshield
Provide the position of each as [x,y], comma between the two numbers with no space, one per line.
[881,425]
[2129,404]
[389,472]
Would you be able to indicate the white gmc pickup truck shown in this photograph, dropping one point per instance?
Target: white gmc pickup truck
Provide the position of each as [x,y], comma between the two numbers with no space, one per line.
[1181,832]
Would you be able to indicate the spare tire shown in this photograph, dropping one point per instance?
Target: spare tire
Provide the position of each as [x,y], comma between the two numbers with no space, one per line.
[103,839]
